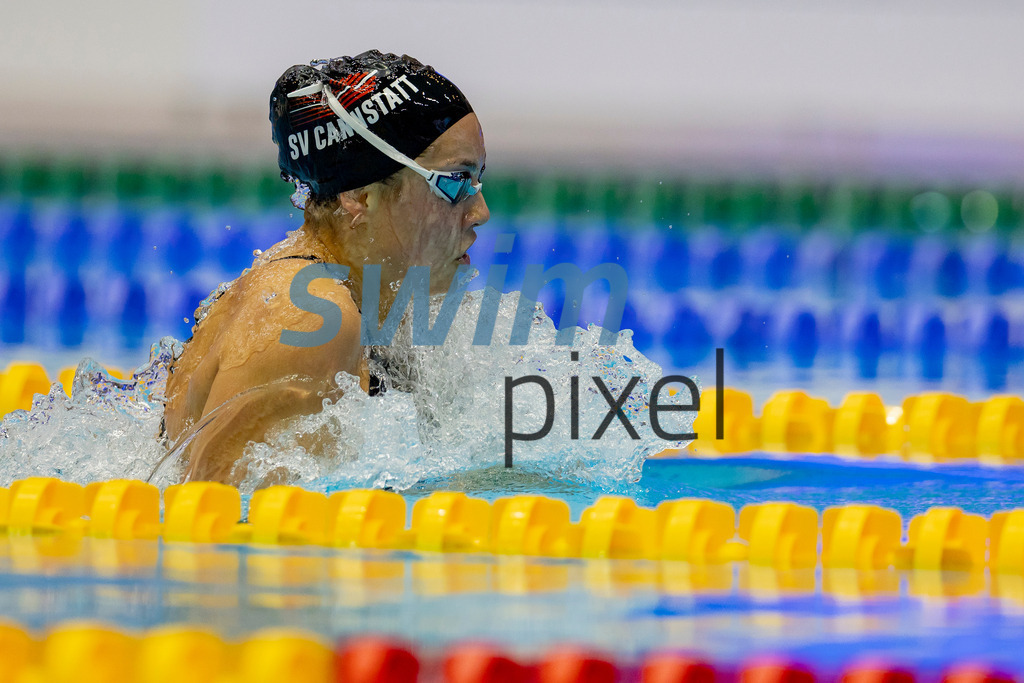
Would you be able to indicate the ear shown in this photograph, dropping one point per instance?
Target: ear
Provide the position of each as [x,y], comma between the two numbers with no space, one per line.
[354,202]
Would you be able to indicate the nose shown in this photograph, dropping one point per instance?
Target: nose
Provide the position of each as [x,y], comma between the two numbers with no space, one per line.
[478,213]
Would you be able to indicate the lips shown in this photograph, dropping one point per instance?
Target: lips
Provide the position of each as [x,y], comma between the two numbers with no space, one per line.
[464,259]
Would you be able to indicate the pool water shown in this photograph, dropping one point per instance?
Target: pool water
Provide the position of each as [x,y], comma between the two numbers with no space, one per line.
[626,608]
[829,287]
[818,481]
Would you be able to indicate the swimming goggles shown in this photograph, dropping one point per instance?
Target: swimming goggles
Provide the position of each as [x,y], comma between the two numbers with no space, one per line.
[452,186]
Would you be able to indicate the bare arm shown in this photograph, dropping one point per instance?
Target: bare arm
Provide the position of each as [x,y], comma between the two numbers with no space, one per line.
[260,381]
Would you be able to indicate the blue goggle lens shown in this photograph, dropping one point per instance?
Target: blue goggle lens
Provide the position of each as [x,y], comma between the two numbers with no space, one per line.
[456,186]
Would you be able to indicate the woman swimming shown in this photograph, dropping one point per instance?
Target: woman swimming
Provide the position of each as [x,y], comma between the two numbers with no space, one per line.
[391,155]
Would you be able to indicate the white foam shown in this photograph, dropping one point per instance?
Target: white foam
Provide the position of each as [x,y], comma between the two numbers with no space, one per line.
[453,420]
[107,429]
[443,414]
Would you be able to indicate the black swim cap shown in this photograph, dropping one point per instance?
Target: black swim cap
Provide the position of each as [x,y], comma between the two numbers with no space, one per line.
[404,102]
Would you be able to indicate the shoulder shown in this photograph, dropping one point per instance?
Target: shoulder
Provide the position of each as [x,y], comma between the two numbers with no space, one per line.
[296,315]
[295,289]
[296,283]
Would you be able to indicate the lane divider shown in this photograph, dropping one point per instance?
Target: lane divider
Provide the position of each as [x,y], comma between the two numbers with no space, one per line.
[19,382]
[779,535]
[929,427]
[75,652]
[736,205]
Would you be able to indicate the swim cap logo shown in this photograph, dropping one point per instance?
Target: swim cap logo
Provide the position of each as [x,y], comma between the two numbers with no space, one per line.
[361,85]
[349,91]
[312,108]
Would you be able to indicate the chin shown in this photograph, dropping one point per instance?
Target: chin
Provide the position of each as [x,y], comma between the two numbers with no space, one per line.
[444,281]
[441,285]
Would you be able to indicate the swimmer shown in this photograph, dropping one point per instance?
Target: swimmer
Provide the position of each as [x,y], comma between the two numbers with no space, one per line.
[391,155]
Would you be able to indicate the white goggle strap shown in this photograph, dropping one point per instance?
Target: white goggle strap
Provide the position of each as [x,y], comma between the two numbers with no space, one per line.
[362,130]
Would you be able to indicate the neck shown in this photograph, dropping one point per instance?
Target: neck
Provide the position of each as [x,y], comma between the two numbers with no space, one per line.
[354,253]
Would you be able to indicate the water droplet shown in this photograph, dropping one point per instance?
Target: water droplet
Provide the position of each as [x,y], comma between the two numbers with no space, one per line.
[185,319]
[204,306]
[449,409]
[301,195]
[228,227]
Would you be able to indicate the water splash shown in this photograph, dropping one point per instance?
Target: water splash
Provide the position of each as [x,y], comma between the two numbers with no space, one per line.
[444,413]
[203,309]
[107,429]
[441,415]
[301,195]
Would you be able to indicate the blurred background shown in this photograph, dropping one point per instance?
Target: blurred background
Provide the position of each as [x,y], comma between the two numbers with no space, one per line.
[830,191]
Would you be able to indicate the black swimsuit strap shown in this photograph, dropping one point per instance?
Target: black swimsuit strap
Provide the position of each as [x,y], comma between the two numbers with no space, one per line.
[379,373]
[303,257]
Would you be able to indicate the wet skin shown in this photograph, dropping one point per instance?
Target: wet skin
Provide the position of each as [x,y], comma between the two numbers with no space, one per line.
[236,348]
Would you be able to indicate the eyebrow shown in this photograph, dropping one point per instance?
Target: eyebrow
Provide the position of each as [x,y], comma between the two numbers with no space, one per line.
[463,162]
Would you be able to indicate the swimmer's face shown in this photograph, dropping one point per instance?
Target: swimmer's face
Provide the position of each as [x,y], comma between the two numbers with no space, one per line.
[412,226]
